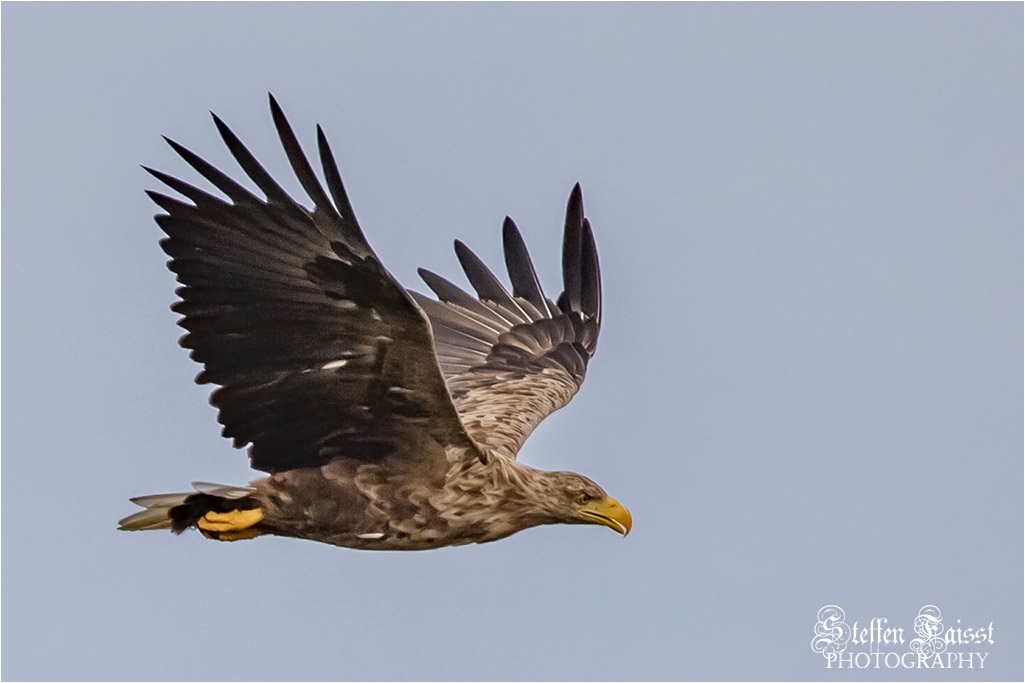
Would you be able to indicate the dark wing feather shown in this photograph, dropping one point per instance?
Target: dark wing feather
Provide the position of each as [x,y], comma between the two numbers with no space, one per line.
[511,360]
[318,351]
[521,270]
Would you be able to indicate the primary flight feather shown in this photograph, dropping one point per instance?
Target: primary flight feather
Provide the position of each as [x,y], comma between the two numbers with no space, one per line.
[386,419]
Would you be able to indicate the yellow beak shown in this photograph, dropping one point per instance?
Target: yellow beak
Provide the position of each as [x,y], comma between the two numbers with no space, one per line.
[608,512]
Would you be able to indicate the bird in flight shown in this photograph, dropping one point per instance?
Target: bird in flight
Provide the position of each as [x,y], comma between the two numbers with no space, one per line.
[385,419]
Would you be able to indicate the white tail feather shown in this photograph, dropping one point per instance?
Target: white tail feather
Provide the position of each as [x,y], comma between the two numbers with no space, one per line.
[222,491]
[156,516]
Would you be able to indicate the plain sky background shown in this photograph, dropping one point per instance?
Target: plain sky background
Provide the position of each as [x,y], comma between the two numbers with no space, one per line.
[809,383]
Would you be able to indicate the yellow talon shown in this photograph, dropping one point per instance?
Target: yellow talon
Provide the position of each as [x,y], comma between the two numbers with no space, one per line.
[242,535]
[236,520]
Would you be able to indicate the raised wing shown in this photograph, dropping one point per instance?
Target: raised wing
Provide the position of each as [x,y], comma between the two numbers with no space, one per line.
[318,351]
[512,359]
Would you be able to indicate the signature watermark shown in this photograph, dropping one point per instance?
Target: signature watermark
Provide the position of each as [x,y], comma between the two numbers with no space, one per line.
[877,643]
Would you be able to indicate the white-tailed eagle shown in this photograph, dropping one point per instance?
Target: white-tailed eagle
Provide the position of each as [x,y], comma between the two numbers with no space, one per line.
[385,419]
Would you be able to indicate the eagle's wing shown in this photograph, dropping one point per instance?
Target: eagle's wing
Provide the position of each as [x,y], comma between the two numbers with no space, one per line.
[318,351]
[512,359]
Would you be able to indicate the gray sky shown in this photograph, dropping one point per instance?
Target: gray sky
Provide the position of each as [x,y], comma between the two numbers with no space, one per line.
[809,383]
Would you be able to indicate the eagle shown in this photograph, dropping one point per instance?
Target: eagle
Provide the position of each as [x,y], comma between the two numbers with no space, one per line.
[385,419]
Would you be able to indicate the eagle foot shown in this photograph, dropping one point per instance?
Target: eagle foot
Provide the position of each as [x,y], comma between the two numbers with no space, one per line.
[235,525]
[242,535]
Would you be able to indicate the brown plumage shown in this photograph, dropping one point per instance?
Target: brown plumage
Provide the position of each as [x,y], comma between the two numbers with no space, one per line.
[385,419]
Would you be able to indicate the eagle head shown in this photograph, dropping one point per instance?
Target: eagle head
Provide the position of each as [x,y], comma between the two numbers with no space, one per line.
[575,499]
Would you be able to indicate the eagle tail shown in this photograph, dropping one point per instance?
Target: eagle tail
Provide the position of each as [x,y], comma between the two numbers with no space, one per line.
[224,513]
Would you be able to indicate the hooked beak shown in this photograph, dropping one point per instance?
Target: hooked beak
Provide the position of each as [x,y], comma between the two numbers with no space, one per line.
[608,512]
